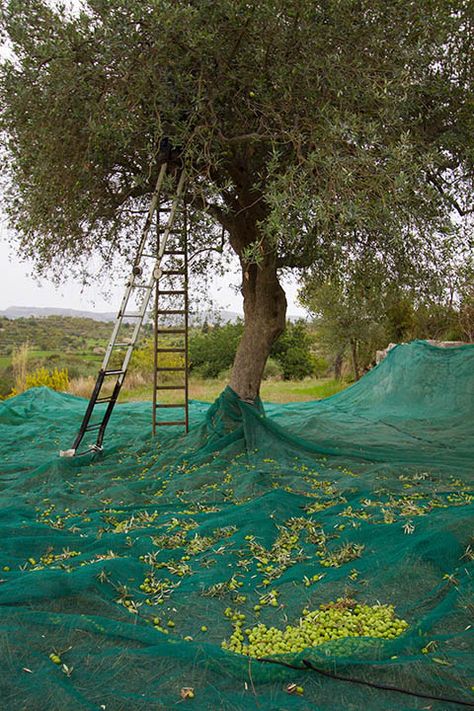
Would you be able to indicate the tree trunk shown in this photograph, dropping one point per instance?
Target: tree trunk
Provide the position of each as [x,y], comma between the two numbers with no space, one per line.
[264,321]
[355,361]
[338,365]
[264,298]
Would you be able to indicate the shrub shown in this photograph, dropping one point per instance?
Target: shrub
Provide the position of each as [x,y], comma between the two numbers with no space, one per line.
[321,366]
[6,383]
[293,352]
[55,379]
[297,364]
[213,352]
[273,370]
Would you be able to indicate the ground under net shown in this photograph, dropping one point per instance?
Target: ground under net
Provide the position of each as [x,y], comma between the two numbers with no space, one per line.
[122,574]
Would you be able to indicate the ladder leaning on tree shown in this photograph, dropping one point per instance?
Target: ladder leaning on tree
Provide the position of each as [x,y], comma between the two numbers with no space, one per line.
[147,271]
[175,271]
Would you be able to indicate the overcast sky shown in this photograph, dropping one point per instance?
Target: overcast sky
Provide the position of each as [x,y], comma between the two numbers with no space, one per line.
[19,287]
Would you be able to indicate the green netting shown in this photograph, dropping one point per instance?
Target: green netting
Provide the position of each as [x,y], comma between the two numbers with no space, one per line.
[133,566]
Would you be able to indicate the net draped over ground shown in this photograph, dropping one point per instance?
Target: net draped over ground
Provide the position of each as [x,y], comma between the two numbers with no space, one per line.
[129,567]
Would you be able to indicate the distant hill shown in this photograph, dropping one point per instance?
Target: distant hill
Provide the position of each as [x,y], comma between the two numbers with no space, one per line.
[14,312]
[42,312]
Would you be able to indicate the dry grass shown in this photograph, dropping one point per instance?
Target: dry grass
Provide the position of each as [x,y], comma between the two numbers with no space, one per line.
[20,366]
[83,386]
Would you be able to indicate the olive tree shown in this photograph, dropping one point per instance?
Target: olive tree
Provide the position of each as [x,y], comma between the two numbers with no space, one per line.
[305,127]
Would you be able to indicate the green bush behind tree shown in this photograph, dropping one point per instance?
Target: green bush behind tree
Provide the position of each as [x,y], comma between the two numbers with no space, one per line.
[213,351]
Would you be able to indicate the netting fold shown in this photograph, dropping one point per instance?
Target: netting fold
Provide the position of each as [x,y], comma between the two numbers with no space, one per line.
[128,578]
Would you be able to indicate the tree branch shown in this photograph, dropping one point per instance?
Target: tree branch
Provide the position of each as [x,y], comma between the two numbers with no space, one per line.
[452,201]
[200,203]
[248,137]
[291,261]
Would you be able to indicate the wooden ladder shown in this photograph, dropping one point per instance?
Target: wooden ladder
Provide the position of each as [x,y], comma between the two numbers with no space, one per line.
[171,328]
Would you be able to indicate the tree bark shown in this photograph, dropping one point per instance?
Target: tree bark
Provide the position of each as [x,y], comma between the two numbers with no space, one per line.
[264,298]
[338,365]
[264,321]
[355,361]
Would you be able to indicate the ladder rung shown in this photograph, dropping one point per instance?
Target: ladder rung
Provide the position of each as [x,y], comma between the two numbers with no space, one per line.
[114,372]
[174,404]
[91,428]
[175,422]
[171,350]
[173,271]
[171,330]
[171,311]
[141,286]
[178,252]
[171,292]
[91,448]
[171,387]
[132,315]
[172,368]
[103,399]
[122,345]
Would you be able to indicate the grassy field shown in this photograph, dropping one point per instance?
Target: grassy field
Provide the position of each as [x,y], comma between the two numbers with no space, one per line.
[271,391]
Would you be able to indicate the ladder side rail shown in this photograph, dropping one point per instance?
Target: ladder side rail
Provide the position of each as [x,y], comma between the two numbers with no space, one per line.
[131,281]
[138,325]
[90,407]
[186,320]
[117,325]
[108,412]
[155,362]
[155,335]
[151,212]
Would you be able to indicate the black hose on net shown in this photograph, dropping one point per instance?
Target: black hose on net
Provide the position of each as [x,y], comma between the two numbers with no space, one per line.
[384,687]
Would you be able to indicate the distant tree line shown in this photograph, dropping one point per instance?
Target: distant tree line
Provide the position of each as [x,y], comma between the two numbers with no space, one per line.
[353,320]
[350,321]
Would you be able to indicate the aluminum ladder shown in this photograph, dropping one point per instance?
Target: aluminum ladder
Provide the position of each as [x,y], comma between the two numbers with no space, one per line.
[146,273]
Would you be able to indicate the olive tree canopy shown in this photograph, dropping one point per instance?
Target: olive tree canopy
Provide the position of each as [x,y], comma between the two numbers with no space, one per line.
[310,130]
